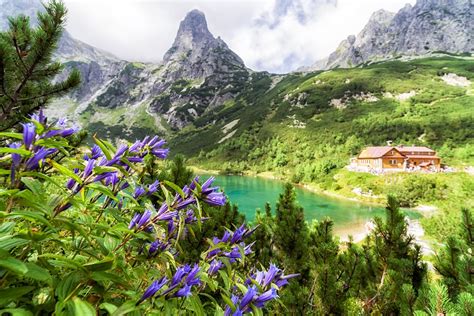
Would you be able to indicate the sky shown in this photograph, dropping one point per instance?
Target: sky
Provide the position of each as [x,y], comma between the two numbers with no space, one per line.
[273,35]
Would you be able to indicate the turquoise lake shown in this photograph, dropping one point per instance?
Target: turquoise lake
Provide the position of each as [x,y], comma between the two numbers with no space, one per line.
[250,193]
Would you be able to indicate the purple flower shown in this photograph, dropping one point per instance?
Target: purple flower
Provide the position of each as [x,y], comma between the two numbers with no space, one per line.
[215,266]
[179,275]
[192,279]
[16,158]
[102,176]
[160,153]
[124,186]
[184,291]
[69,131]
[134,221]
[153,288]
[40,118]
[89,167]
[153,187]
[265,297]
[40,155]
[120,151]
[137,146]
[96,153]
[215,199]
[228,310]
[184,203]
[270,275]
[29,133]
[157,245]
[112,179]
[138,192]
[145,217]
[135,159]
[248,297]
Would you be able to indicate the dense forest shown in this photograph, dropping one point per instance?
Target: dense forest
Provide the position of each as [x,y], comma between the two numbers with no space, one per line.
[97,229]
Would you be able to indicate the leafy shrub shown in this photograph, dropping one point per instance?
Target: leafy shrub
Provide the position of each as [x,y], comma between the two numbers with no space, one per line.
[108,240]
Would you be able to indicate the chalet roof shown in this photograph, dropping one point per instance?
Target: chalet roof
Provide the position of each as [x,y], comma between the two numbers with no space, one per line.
[404,149]
[374,152]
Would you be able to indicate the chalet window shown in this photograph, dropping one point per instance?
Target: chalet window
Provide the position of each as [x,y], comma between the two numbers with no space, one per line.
[392,162]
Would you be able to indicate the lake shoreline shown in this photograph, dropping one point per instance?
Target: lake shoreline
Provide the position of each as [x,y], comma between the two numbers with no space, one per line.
[425,210]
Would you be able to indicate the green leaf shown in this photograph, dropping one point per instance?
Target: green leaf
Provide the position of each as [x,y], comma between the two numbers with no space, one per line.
[20,151]
[11,135]
[4,172]
[102,265]
[61,261]
[126,308]
[103,147]
[103,189]
[110,308]
[38,273]
[31,217]
[101,276]
[34,185]
[83,308]
[8,192]
[65,171]
[15,312]
[8,242]
[228,301]
[7,227]
[175,187]
[14,265]
[9,294]
[67,285]
[42,176]
[195,305]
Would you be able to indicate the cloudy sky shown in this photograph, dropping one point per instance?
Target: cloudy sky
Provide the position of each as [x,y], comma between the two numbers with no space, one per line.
[272,35]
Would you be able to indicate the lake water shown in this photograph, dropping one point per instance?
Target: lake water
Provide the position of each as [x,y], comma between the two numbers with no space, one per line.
[250,193]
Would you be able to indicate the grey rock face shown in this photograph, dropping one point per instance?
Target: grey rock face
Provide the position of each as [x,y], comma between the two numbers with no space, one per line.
[198,72]
[428,26]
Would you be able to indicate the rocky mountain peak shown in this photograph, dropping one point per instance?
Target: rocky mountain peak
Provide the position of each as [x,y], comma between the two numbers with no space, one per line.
[193,34]
[382,17]
[426,27]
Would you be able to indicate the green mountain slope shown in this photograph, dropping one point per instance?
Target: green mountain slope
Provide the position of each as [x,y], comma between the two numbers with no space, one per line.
[331,115]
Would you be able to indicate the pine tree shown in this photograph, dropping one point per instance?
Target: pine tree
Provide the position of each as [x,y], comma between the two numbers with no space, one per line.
[27,71]
[394,260]
[178,172]
[455,263]
[291,235]
[263,236]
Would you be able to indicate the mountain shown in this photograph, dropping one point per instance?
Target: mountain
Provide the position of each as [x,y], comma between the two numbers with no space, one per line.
[427,27]
[198,73]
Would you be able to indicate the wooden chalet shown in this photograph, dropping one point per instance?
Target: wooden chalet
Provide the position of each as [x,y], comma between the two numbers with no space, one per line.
[397,158]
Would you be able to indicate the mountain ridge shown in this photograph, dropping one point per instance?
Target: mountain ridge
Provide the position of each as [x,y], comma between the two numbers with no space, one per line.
[421,29]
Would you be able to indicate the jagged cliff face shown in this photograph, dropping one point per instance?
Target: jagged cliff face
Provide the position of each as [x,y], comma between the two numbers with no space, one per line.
[428,26]
[198,73]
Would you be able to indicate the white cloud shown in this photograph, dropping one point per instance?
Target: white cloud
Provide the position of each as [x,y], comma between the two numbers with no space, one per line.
[144,30]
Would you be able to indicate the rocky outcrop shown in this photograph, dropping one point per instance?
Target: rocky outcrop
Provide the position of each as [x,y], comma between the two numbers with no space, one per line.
[428,26]
[198,73]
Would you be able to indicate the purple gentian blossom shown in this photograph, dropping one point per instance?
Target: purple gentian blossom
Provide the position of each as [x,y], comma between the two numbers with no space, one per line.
[214,267]
[140,191]
[152,188]
[29,134]
[153,288]
[40,118]
[39,156]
